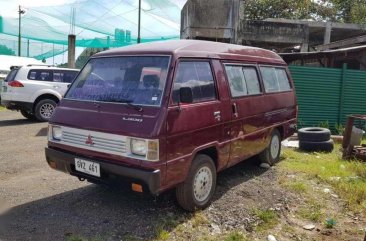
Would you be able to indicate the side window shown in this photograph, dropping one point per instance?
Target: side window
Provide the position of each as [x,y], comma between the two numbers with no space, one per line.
[270,80]
[64,76]
[236,80]
[243,80]
[283,80]
[42,75]
[252,80]
[275,79]
[198,76]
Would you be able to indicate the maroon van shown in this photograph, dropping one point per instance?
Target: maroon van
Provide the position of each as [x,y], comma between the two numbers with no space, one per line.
[171,115]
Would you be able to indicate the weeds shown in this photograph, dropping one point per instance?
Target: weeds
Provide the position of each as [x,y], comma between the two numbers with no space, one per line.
[268,217]
[347,178]
[235,236]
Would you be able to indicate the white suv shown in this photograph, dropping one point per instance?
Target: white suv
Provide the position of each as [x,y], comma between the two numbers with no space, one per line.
[35,90]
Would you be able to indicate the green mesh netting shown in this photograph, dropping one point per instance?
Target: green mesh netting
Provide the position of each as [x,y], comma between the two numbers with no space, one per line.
[96,24]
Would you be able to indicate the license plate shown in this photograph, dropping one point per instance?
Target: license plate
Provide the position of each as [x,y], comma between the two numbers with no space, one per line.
[87,167]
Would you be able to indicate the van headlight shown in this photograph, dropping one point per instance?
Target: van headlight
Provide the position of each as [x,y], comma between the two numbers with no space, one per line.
[55,132]
[146,148]
[138,147]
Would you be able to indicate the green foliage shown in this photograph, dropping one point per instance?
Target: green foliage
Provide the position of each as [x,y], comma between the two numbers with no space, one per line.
[330,223]
[348,11]
[235,236]
[324,124]
[339,129]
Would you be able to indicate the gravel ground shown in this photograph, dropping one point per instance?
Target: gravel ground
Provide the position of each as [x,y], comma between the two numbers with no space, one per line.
[38,203]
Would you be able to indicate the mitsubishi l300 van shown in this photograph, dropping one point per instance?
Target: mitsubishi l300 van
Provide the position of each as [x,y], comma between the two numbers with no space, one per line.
[172,114]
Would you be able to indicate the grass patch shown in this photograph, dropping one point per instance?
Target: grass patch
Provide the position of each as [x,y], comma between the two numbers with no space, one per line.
[297,187]
[311,211]
[268,217]
[235,236]
[2,108]
[347,178]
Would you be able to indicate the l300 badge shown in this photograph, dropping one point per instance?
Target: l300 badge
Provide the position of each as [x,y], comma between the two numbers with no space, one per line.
[132,119]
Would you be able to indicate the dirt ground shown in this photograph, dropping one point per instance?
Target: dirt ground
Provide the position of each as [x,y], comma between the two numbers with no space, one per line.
[38,203]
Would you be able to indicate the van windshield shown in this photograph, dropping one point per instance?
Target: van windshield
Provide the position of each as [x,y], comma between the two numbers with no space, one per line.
[136,80]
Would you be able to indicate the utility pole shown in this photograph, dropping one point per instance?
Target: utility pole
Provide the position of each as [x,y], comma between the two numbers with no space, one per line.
[20,11]
[139,24]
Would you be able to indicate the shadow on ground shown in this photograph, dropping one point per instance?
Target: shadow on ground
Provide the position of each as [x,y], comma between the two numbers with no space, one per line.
[17,122]
[109,213]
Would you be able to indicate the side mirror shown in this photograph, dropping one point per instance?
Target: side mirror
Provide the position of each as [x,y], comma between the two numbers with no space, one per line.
[185,95]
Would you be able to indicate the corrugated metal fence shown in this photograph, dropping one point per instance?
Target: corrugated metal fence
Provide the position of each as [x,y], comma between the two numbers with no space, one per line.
[327,95]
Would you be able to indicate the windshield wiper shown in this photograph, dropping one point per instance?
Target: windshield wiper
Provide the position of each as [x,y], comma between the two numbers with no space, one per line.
[124,101]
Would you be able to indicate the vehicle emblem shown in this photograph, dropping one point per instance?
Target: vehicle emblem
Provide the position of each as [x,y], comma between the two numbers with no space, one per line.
[89,140]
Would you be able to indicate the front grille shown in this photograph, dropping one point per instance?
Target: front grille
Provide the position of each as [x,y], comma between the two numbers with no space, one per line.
[101,142]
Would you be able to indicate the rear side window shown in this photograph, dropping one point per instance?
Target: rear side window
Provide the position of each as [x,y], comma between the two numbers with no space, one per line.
[11,75]
[41,75]
[64,76]
[243,80]
[275,79]
[198,76]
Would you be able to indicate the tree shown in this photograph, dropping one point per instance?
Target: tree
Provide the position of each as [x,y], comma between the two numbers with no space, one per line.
[347,11]
[351,11]
[5,50]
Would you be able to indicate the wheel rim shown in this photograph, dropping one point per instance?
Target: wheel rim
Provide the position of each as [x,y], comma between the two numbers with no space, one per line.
[46,110]
[202,184]
[275,146]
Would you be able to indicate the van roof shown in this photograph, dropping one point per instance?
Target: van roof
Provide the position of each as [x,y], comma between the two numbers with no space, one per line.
[197,48]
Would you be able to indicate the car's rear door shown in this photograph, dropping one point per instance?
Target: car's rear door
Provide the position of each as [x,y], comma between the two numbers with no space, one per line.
[62,79]
[247,126]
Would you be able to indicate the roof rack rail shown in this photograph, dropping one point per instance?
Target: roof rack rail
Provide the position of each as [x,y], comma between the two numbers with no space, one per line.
[15,67]
[48,65]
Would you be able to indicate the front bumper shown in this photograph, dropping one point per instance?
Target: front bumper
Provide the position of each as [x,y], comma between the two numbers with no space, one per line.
[65,162]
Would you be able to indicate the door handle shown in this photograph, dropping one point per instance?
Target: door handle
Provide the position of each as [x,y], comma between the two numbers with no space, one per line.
[217,115]
[235,110]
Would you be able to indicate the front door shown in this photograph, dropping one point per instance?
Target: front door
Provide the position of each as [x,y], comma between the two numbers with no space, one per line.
[192,125]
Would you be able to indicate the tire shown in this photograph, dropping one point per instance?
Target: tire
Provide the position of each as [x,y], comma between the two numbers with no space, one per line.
[314,134]
[44,109]
[27,115]
[272,153]
[323,146]
[196,192]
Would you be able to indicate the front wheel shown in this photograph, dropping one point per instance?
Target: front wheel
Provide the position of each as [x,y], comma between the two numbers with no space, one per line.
[44,109]
[272,153]
[197,190]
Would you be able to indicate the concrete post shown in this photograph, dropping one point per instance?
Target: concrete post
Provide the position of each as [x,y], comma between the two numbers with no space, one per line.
[71,51]
[328,31]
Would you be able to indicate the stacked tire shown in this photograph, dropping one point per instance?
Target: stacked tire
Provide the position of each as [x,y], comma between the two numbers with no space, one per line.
[315,139]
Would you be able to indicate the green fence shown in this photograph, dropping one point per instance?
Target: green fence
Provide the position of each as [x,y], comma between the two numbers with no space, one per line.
[327,95]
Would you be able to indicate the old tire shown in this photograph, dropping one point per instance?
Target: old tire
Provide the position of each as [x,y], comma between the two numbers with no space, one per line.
[323,146]
[197,190]
[272,153]
[44,109]
[314,134]
[27,115]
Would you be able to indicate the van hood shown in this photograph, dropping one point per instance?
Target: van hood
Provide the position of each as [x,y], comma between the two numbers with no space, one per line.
[114,118]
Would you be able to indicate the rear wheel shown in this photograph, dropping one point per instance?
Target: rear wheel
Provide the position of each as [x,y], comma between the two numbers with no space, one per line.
[272,153]
[44,109]
[197,190]
[27,115]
